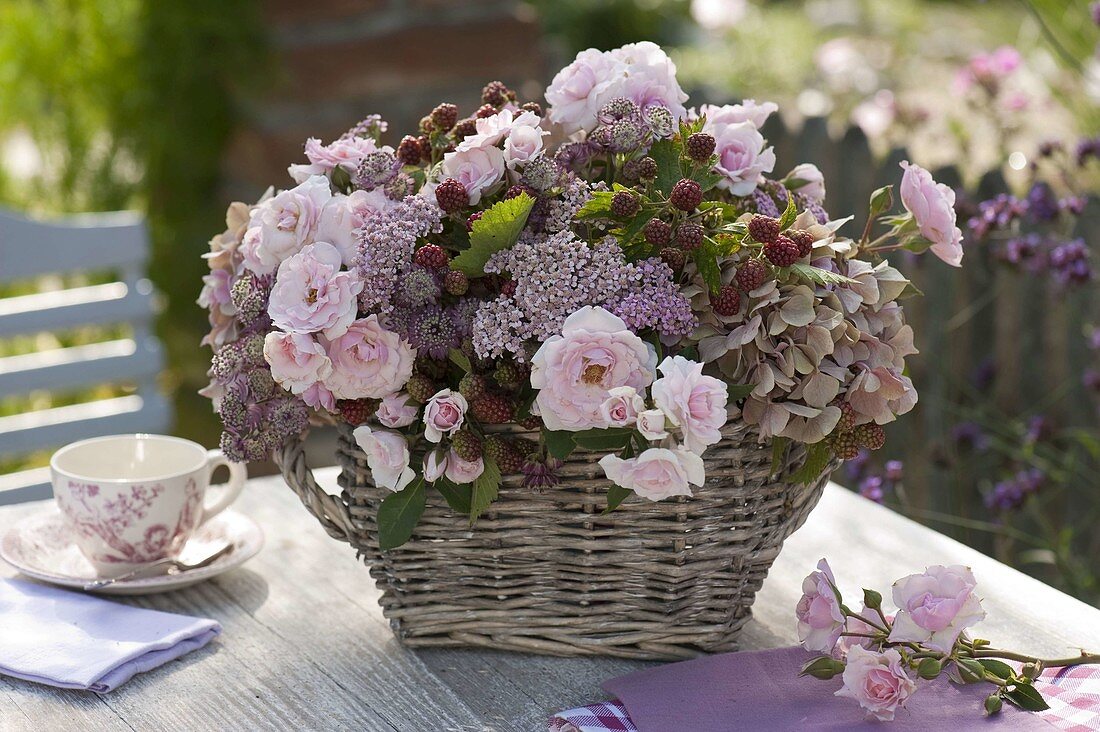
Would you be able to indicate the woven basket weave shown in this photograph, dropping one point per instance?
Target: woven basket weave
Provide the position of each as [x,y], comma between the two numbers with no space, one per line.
[545,572]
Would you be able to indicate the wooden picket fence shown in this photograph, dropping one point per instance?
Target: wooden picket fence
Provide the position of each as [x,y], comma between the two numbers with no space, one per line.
[1030,328]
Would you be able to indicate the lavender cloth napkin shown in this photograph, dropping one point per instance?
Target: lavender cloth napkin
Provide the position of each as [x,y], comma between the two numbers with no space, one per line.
[77,641]
[761,690]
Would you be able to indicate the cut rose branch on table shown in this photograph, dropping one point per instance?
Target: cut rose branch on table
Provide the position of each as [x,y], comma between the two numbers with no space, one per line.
[882,658]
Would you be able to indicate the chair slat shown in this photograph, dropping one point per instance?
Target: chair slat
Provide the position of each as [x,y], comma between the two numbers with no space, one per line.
[115,302]
[26,485]
[79,366]
[73,244]
[52,427]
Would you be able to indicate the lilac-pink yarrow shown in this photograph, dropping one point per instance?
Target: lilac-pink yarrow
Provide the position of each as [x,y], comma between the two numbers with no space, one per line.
[386,243]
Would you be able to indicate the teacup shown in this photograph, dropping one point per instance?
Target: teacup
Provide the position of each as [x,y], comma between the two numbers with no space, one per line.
[134,499]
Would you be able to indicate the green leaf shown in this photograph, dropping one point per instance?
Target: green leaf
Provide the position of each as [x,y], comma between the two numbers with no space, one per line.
[1026,697]
[817,457]
[615,497]
[706,260]
[460,359]
[669,170]
[729,211]
[597,207]
[687,129]
[398,514]
[820,276]
[633,228]
[779,450]
[485,489]
[603,440]
[498,228]
[737,392]
[559,443]
[910,290]
[916,244]
[707,178]
[790,214]
[457,496]
[1000,669]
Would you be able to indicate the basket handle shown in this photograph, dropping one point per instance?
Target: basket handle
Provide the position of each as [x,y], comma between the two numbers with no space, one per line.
[330,511]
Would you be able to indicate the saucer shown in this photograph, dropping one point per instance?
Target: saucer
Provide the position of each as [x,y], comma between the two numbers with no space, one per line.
[41,547]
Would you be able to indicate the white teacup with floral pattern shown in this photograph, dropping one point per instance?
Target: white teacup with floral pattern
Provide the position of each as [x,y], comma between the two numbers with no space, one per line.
[134,499]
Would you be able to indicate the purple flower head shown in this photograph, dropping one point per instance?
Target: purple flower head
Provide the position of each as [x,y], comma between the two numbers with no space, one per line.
[1070,263]
[1087,148]
[1093,338]
[856,468]
[1039,428]
[1042,204]
[871,488]
[386,243]
[1011,493]
[996,213]
[430,329]
[970,436]
[653,300]
[894,470]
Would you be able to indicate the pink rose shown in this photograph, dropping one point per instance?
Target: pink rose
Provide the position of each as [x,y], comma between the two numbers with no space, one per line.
[877,681]
[933,207]
[524,144]
[343,215]
[387,457]
[742,157]
[692,401]
[463,471]
[621,407]
[731,114]
[650,78]
[575,371]
[812,181]
[820,619]
[936,606]
[312,295]
[396,410]
[444,414]
[346,153]
[478,169]
[855,625]
[368,361]
[580,89]
[298,362]
[656,473]
[435,465]
[651,423]
[280,226]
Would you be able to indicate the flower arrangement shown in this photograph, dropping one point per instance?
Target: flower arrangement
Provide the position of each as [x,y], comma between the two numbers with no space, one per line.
[627,291]
[881,658]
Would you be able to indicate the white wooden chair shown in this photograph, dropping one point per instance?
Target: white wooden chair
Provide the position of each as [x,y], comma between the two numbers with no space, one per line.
[30,251]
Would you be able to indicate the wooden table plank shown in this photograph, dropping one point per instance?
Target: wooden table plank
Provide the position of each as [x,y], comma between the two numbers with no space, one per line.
[306,646]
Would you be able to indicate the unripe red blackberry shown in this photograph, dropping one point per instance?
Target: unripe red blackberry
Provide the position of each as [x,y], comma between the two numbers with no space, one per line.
[485,110]
[464,128]
[473,386]
[534,422]
[510,460]
[727,302]
[870,435]
[508,288]
[472,218]
[357,411]
[421,387]
[847,421]
[782,252]
[700,146]
[495,447]
[496,93]
[751,274]
[444,116]
[657,232]
[804,239]
[519,189]
[408,152]
[510,374]
[624,204]
[645,168]
[493,409]
[844,445]
[456,283]
[686,195]
[426,126]
[451,195]
[689,236]
[674,258]
[425,147]
[764,228]
[431,256]
[533,107]
[466,445]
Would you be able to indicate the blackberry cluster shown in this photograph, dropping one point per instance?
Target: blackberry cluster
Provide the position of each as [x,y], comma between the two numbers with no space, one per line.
[444,116]
[727,303]
[473,386]
[641,169]
[421,387]
[674,258]
[408,152]
[431,256]
[657,232]
[451,195]
[804,239]
[751,274]
[689,236]
[686,195]
[782,252]
[624,204]
[466,444]
[764,228]
[497,94]
[357,411]
[493,409]
[870,435]
[456,283]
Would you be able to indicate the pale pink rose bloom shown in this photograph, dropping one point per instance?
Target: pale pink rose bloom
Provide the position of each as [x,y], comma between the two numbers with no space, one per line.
[813,181]
[463,471]
[344,153]
[933,207]
[368,361]
[622,406]
[297,361]
[855,625]
[877,681]
[435,465]
[387,457]
[742,157]
[343,215]
[934,607]
[575,371]
[650,77]
[312,295]
[820,619]
[444,414]
[396,410]
[656,473]
[651,423]
[282,225]
[580,89]
[751,111]
[880,394]
[477,169]
[494,129]
[318,396]
[523,145]
[693,401]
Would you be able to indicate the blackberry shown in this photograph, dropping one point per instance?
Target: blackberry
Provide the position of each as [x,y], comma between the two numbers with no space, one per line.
[493,409]
[473,217]
[357,411]
[425,147]
[426,126]
[870,435]
[844,445]
[764,228]
[782,252]
[421,388]
[444,116]
[533,107]
[534,422]
[847,421]
[510,374]
[520,188]
[645,168]
[525,445]
[804,239]
[657,232]
[727,302]
[751,274]
[686,195]
[473,386]
[689,236]
[700,146]
[508,288]
[431,256]
[433,368]
[510,461]
[496,93]
[495,447]
[674,258]
[624,204]
[451,195]
[485,110]
[408,152]
[456,283]
[466,444]
[464,128]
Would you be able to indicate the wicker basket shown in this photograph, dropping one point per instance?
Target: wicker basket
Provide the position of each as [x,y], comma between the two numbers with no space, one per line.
[546,572]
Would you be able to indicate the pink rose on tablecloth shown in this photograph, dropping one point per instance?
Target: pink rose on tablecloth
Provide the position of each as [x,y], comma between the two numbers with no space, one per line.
[346,153]
[282,225]
[580,89]
[368,361]
[877,681]
[694,402]
[397,410]
[933,207]
[343,215]
[751,111]
[298,364]
[444,414]
[650,77]
[813,181]
[312,295]
[651,423]
[477,169]
[742,156]
[387,457]
[435,465]
[881,393]
[820,619]
[621,407]
[934,607]
[656,473]
[574,372]
[463,471]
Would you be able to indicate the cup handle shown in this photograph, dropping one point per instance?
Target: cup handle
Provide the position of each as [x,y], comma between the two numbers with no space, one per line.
[238,473]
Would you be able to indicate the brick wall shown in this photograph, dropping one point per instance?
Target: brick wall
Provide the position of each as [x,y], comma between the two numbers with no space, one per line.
[339,60]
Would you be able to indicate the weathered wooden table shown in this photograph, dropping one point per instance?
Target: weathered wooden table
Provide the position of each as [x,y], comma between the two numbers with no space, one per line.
[305,645]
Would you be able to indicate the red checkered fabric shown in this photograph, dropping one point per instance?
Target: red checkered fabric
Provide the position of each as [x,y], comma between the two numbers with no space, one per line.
[607,716]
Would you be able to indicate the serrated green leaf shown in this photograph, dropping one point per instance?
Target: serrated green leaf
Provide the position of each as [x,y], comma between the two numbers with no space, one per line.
[485,489]
[706,261]
[596,207]
[690,128]
[457,496]
[817,457]
[398,514]
[729,212]
[779,451]
[737,392]
[616,494]
[603,440]
[559,443]
[820,276]
[789,214]
[1000,669]
[460,359]
[630,232]
[707,178]
[1027,697]
[669,170]
[498,228]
